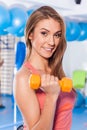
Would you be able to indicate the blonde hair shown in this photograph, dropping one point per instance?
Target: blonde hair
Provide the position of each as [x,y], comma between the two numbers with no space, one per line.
[46,12]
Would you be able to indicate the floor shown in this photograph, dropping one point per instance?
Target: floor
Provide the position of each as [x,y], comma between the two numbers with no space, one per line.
[10,121]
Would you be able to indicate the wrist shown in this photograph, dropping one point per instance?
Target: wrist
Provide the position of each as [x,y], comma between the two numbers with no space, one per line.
[52,98]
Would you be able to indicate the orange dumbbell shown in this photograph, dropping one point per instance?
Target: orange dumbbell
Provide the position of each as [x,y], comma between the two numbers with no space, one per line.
[65,83]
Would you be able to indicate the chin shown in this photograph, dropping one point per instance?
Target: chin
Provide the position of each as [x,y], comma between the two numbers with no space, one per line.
[47,56]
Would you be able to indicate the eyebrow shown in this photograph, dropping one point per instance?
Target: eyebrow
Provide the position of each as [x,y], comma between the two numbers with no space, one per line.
[60,31]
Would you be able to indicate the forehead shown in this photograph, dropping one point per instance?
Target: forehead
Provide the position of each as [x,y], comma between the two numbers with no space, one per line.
[49,24]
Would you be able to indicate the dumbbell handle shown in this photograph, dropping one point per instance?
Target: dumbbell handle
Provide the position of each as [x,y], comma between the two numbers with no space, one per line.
[65,83]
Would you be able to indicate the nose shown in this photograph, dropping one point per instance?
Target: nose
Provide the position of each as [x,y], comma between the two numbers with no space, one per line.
[51,40]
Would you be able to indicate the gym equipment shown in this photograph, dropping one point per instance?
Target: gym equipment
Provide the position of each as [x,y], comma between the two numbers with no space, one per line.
[29,12]
[21,127]
[86,101]
[20,33]
[17,21]
[79,78]
[72,31]
[65,83]
[1,63]
[20,55]
[83,32]
[80,100]
[2,32]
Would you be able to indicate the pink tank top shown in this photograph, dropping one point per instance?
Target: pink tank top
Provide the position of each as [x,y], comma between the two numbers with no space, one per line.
[65,104]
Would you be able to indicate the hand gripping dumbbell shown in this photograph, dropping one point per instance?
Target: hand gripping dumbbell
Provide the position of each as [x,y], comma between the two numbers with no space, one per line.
[65,83]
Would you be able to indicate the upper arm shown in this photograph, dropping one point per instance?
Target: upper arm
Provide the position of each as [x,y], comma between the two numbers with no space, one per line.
[26,100]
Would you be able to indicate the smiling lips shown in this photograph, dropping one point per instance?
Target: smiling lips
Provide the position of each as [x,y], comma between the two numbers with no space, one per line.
[48,49]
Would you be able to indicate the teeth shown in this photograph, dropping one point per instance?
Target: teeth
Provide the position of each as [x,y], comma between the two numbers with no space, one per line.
[48,49]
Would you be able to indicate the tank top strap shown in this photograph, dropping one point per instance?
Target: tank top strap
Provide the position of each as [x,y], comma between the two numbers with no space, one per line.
[30,67]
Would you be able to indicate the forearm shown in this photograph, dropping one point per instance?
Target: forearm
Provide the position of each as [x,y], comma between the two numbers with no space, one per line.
[47,115]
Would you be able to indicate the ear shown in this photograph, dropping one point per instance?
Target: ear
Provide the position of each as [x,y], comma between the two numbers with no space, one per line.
[31,36]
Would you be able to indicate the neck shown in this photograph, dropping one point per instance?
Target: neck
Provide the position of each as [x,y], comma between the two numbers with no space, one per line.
[40,64]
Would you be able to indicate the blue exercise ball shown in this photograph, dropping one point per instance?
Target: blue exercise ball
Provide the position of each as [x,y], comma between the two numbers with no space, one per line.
[18,19]
[12,30]
[20,33]
[80,99]
[68,28]
[29,12]
[4,17]
[2,32]
[83,32]
[72,31]
[16,32]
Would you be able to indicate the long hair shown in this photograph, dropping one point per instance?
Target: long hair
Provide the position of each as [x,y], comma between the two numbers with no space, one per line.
[46,12]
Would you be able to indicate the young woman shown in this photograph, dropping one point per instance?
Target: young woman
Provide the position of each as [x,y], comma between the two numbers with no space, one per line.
[47,108]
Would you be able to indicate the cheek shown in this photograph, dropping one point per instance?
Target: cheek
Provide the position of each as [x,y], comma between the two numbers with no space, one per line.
[34,41]
[38,42]
[57,42]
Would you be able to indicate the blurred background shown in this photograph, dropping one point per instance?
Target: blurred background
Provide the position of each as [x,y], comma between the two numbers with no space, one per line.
[13,17]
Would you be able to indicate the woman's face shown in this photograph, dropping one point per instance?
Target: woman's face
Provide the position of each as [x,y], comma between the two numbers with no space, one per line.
[45,38]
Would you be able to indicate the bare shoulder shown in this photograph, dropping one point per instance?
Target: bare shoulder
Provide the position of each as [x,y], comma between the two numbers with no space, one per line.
[21,82]
[22,74]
